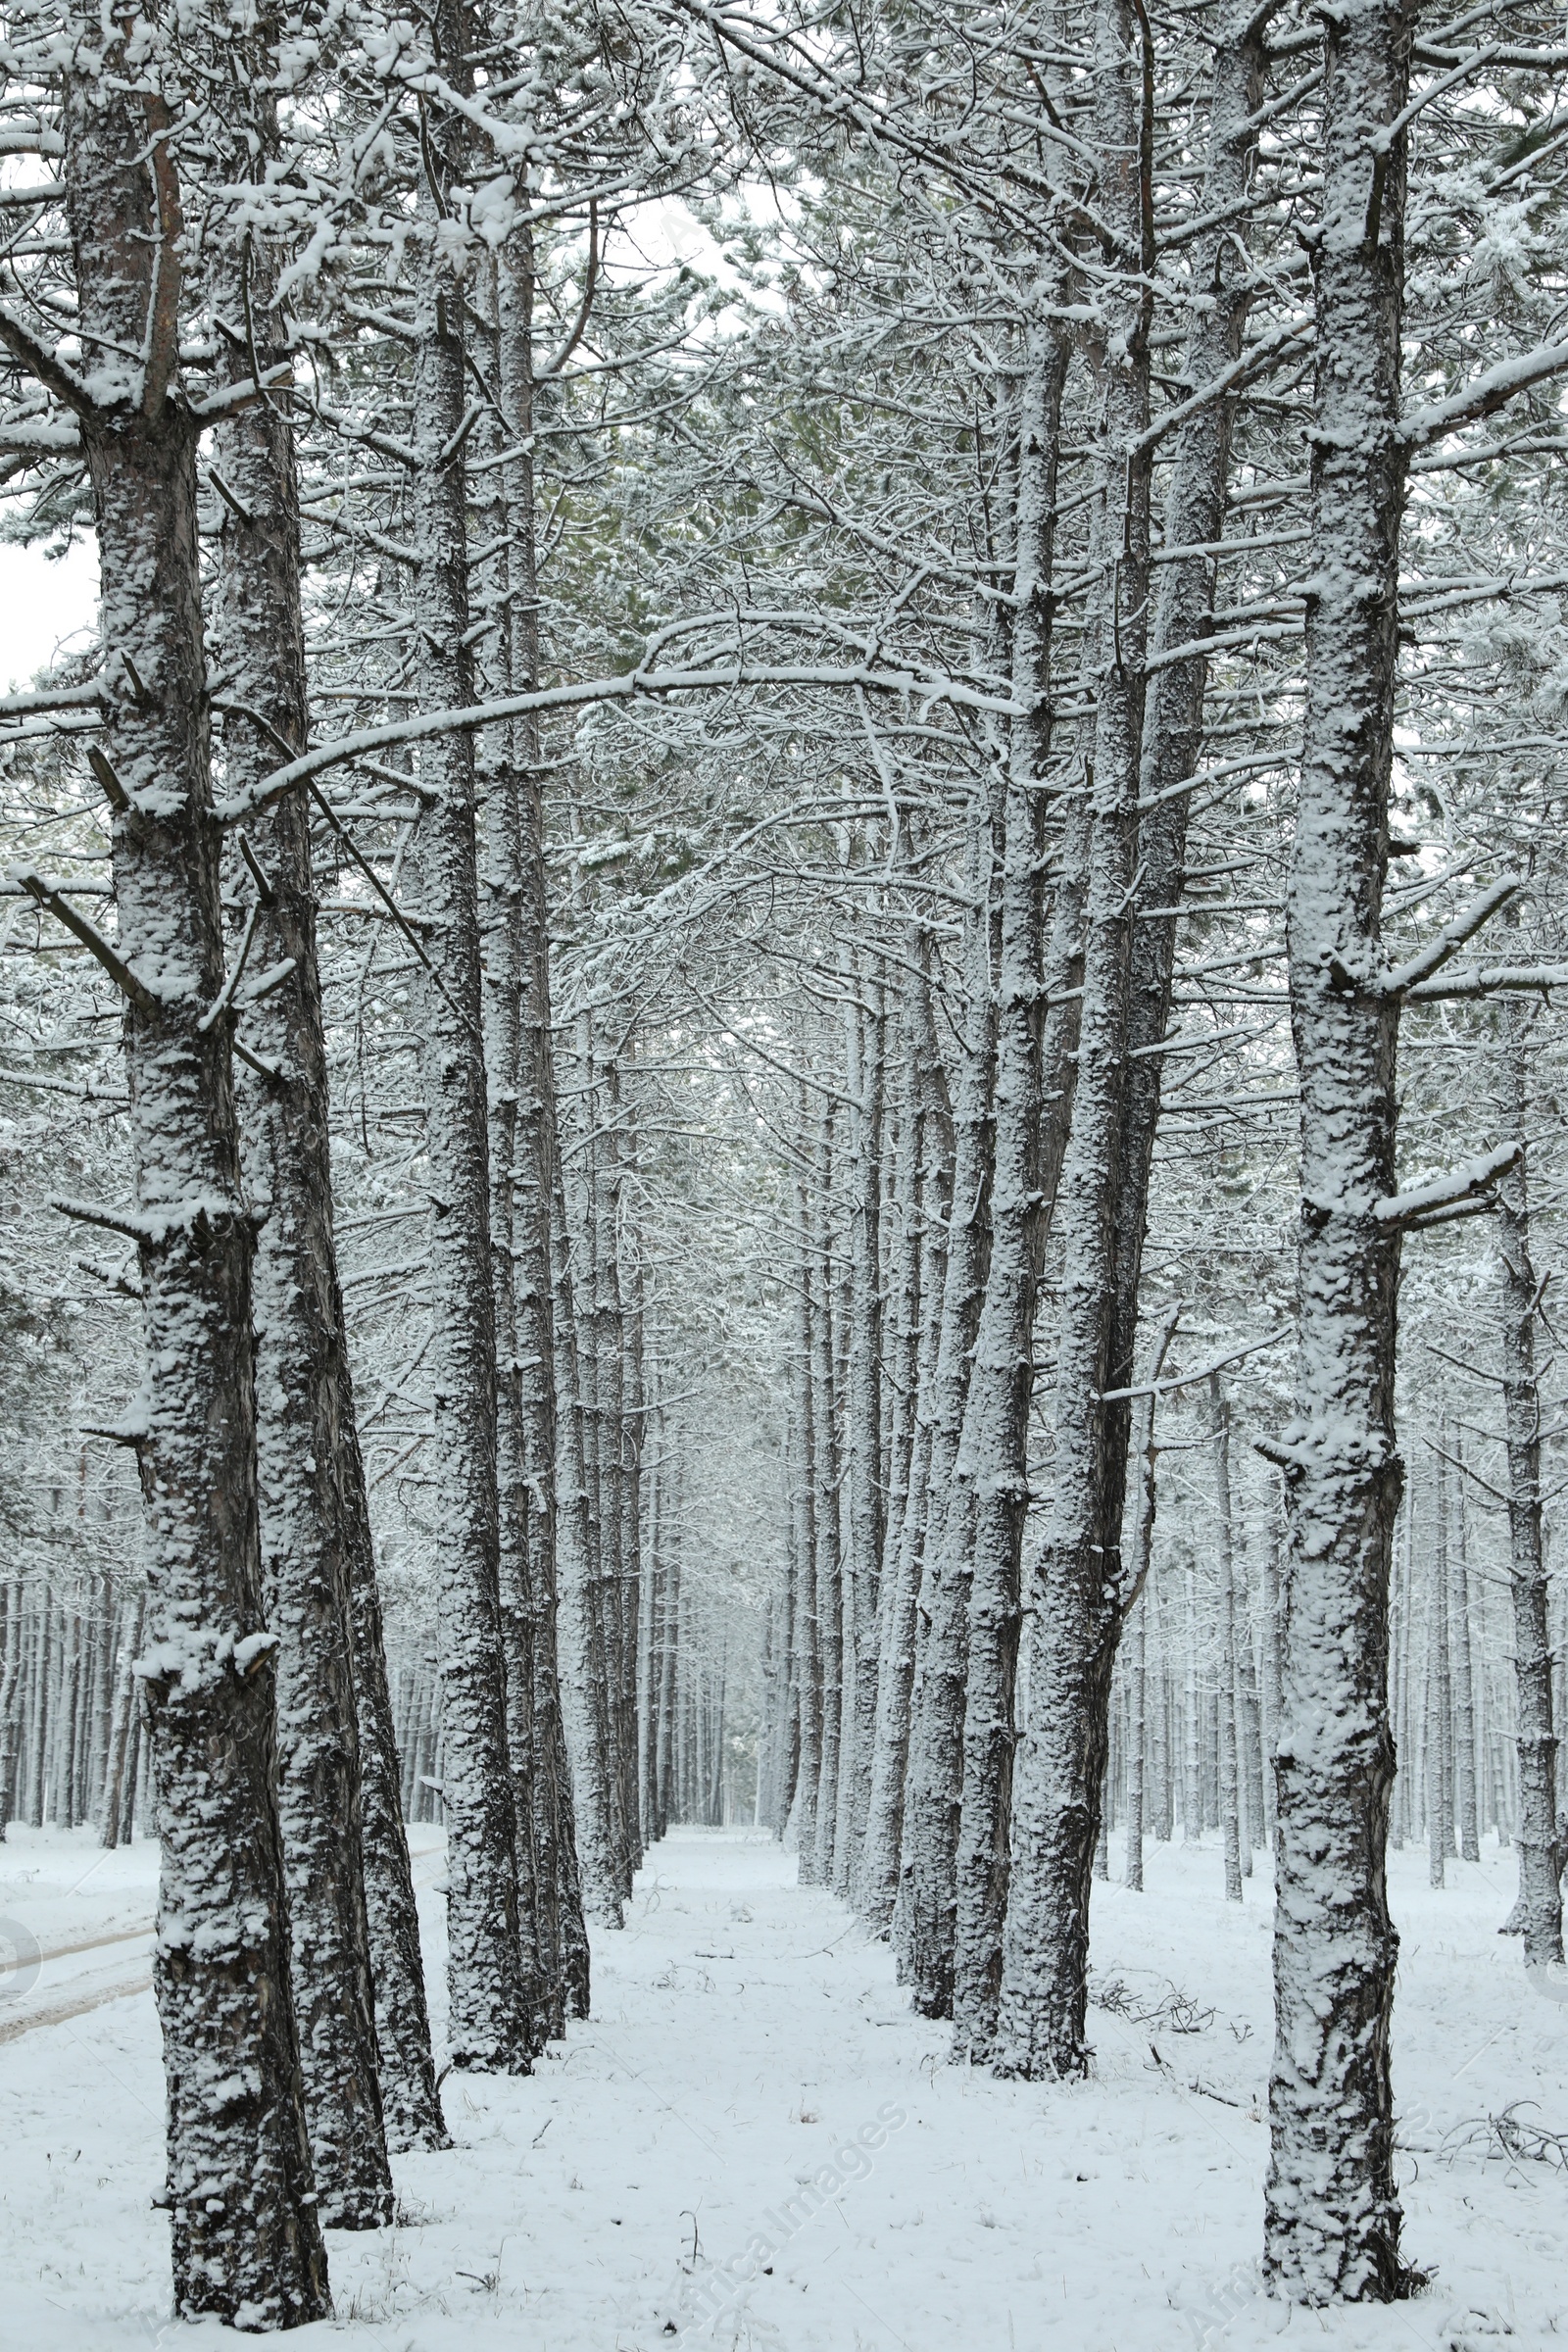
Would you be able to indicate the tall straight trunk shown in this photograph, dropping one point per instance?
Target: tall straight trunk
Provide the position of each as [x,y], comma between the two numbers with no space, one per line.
[1464,1702]
[992,1471]
[1439,1762]
[1538,1912]
[829,1562]
[930,1143]
[11,1690]
[246,2231]
[1192,1729]
[1270,1681]
[410,2102]
[668,1696]
[116,1787]
[490,2019]
[504,918]
[1225,1552]
[307,1520]
[585,1678]
[862,1419]
[633,1425]
[1077,1591]
[563,1942]
[1249,1719]
[610,1354]
[928,1893]
[1141,1567]
[38,1708]
[1082,1586]
[1332,2214]
[804,1505]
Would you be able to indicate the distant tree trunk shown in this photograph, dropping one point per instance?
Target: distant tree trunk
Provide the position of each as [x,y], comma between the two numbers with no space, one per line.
[1439,1793]
[1464,1705]
[929,1895]
[586,1685]
[1539,1913]
[118,1791]
[863,1424]
[930,1145]
[829,1576]
[1331,2212]
[246,2234]
[1141,1567]
[804,1501]
[11,1689]
[1229,1786]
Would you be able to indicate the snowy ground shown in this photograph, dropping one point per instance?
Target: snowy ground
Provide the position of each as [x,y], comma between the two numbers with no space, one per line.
[753,2092]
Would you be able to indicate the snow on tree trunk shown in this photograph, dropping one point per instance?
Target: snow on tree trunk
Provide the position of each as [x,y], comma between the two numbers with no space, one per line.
[1076,1594]
[1539,1907]
[490,2025]
[863,1425]
[930,1143]
[992,1471]
[1082,1587]
[1464,1702]
[505,1047]
[563,1939]
[829,1563]
[246,2233]
[928,1896]
[308,1519]
[585,1685]
[1331,2215]
[804,1505]
[1230,1821]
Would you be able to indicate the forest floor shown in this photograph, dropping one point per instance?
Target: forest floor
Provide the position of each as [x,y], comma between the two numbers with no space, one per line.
[744,2033]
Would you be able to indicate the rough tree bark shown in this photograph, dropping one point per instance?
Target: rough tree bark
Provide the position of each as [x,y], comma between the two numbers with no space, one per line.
[1539,1913]
[992,1471]
[247,2240]
[1077,1594]
[1331,2212]
[931,1144]
[928,1897]
[1080,1587]
[490,2020]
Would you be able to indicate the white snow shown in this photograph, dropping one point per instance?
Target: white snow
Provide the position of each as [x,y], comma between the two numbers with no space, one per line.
[748,2040]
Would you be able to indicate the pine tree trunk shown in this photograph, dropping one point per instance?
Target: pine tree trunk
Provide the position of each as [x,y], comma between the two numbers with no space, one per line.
[1464,1704]
[490,2022]
[991,1472]
[829,1566]
[1229,1783]
[930,1143]
[116,1791]
[1332,2214]
[1081,1585]
[561,1933]
[1539,1907]
[11,1691]
[804,1505]
[586,1690]
[864,1429]
[307,1521]
[247,2240]
[928,1908]
[1141,1567]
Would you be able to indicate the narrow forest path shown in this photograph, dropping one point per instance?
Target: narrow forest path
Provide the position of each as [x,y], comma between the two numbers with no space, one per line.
[753,2075]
